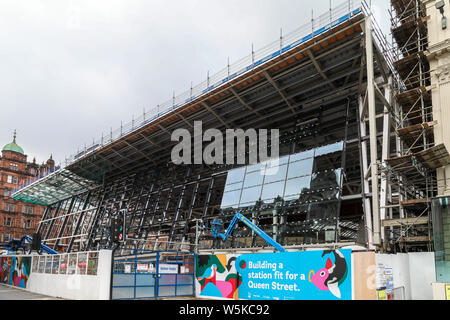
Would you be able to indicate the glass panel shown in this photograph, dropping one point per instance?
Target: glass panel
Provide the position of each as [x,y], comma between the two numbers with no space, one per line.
[82,263]
[48,264]
[231,198]
[233,187]
[330,149]
[278,162]
[273,190]
[257,167]
[323,211]
[35,265]
[42,264]
[301,168]
[92,263]
[441,234]
[55,268]
[251,194]
[302,156]
[297,186]
[235,176]
[253,179]
[63,265]
[72,263]
[275,174]
[326,179]
[247,206]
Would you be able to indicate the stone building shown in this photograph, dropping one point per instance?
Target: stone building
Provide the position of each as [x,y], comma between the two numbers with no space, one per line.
[18,218]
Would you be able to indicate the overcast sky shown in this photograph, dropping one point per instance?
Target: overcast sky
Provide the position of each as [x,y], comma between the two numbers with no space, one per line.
[72,69]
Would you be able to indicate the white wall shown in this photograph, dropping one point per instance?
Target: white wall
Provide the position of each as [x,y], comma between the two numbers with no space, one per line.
[75,287]
[400,267]
[414,271]
[422,274]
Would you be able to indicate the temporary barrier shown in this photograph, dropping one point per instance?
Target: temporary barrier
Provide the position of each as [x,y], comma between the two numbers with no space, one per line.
[77,276]
[141,274]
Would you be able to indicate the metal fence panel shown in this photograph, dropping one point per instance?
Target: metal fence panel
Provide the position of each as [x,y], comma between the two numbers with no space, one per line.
[143,274]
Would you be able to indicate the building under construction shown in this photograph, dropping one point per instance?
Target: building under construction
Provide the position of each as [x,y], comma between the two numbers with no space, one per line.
[358,153]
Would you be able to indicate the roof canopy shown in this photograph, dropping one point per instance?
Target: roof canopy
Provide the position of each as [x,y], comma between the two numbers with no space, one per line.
[55,187]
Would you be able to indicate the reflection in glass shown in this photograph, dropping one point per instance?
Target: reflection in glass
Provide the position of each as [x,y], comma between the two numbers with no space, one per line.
[297,186]
[235,176]
[278,162]
[251,195]
[231,198]
[273,190]
[323,210]
[302,156]
[275,174]
[326,179]
[253,179]
[332,148]
[257,167]
[293,180]
[301,168]
[233,187]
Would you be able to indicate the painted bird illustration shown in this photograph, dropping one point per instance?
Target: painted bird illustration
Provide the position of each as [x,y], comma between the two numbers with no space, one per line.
[332,276]
[209,273]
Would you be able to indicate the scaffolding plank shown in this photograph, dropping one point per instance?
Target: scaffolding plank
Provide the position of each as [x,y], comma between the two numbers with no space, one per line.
[416,239]
[405,222]
[411,134]
[435,157]
[414,202]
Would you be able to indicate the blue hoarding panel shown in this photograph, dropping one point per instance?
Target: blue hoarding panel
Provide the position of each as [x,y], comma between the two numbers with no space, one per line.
[311,275]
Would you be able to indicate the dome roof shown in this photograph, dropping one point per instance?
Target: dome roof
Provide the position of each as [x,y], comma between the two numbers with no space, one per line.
[13,146]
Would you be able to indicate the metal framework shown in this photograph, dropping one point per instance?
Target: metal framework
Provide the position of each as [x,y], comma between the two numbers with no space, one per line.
[339,82]
[410,156]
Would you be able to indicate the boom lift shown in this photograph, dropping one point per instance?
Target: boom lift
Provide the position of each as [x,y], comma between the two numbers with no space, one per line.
[217,226]
[26,245]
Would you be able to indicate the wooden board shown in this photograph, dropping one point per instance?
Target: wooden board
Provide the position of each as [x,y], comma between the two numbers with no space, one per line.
[364,273]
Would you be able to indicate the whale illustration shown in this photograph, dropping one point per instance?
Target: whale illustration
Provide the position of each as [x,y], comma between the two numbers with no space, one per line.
[332,276]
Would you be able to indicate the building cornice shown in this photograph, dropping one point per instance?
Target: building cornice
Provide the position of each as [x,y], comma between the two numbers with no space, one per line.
[439,49]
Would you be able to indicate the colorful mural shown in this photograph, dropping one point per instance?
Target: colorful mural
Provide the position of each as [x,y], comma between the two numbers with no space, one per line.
[15,271]
[312,275]
[217,277]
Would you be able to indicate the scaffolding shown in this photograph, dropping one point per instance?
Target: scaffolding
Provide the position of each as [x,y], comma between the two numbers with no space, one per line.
[409,167]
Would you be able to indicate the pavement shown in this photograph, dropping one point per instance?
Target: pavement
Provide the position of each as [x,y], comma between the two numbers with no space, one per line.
[10,293]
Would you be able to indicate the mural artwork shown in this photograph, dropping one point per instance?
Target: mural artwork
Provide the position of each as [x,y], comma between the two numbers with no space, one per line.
[15,271]
[217,277]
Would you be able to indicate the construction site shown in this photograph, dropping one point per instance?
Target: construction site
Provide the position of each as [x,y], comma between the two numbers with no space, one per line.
[362,173]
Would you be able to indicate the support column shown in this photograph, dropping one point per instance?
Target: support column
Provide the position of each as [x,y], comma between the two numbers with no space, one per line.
[372,133]
[385,155]
[365,183]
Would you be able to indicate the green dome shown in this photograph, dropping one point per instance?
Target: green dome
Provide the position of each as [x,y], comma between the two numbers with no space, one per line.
[13,146]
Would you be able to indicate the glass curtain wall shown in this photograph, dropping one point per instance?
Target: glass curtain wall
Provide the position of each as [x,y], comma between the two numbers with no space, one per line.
[290,182]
